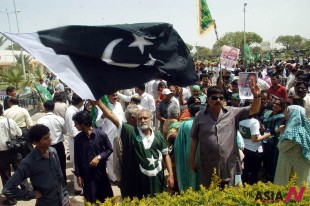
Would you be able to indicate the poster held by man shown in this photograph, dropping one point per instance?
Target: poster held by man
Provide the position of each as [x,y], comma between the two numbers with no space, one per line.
[244,88]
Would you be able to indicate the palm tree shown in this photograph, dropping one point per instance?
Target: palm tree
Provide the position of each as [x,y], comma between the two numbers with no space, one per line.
[15,75]
[27,60]
[16,47]
[34,75]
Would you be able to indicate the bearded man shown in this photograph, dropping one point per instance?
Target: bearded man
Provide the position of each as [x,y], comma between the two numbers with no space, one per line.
[143,153]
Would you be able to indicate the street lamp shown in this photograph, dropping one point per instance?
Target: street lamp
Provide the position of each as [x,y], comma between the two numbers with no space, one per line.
[7,14]
[244,40]
[21,50]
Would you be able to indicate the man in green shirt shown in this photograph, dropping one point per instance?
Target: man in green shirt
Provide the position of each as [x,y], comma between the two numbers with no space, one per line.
[143,153]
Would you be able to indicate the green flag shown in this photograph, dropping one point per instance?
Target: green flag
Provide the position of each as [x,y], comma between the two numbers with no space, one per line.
[257,56]
[267,57]
[44,93]
[205,20]
[94,110]
[247,54]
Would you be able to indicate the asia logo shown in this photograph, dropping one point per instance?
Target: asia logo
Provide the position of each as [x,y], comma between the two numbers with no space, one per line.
[273,196]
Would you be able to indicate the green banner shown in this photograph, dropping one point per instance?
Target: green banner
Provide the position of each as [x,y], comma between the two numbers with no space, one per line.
[247,54]
[43,92]
[204,17]
[267,57]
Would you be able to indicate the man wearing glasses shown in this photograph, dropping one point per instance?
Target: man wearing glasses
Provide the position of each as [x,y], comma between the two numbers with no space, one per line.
[215,130]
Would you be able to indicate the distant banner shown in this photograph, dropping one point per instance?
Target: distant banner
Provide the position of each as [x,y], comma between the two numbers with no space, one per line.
[229,56]
[244,88]
[205,21]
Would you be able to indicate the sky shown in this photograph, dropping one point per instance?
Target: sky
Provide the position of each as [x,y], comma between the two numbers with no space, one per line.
[268,18]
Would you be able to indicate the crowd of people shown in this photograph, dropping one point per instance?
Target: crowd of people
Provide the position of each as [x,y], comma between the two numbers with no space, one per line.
[137,134]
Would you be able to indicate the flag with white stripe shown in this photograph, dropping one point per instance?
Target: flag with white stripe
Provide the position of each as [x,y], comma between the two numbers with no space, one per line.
[97,60]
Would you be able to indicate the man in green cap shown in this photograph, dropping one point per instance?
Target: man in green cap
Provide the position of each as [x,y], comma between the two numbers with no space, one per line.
[235,100]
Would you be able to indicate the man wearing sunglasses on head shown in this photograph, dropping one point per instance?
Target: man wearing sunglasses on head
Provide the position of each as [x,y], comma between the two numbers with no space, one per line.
[214,128]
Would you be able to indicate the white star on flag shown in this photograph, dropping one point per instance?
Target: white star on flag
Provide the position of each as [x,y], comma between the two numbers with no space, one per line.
[140,42]
[152,161]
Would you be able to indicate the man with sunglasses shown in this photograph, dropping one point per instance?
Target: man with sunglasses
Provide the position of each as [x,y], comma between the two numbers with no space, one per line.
[214,128]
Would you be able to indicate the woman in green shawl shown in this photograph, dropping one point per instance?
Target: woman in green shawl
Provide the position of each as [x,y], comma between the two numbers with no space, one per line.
[185,176]
[272,119]
[294,148]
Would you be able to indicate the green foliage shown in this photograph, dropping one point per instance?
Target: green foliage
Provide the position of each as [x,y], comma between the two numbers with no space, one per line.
[256,49]
[15,75]
[291,42]
[190,47]
[236,39]
[15,47]
[215,196]
[39,73]
[202,53]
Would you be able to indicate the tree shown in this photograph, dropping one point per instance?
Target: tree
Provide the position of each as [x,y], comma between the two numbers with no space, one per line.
[27,60]
[35,75]
[202,52]
[2,40]
[15,47]
[14,75]
[291,42]
[256,49]
[236,39]
[189,46]
[285,41]
[306,46]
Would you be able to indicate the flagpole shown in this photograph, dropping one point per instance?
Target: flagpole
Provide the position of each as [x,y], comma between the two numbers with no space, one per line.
[244,39]
[217,38]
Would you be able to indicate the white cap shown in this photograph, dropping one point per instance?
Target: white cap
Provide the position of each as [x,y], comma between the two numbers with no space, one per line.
[166,91]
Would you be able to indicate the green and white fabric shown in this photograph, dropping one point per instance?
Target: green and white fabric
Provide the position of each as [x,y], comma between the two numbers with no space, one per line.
[247,128]
[298,129]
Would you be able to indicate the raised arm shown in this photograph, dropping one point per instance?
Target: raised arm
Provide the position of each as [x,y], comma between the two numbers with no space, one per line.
[107,112]
[255,106]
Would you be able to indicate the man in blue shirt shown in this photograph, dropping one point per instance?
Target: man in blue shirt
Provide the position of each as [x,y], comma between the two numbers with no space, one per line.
[43,168]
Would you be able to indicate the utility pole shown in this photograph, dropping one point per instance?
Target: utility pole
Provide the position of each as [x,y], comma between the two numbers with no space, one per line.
[21,50]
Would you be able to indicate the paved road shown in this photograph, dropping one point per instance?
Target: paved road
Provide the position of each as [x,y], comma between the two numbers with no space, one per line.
[75,200]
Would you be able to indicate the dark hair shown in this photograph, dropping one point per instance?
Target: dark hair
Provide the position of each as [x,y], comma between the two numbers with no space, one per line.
[265,92]
[193,109]
[161,84]
[14,100]
[37,132]
[192,100]
[249,75]
[58,97]
[302,77]
[283,104]
[76,99]
[275,75]
[300,83]
[135,99]
[83,117]
[203,75]
[215,90]
[9,89]
[1,109]
[234,82]
[142,87]
[49,105]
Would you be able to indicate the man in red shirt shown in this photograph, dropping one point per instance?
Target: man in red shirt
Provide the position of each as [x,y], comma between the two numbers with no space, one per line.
[277,89]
